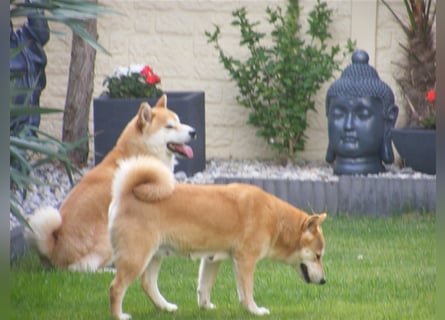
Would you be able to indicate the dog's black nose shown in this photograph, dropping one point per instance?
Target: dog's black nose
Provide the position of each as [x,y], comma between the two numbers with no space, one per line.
[192,134]
[322,281]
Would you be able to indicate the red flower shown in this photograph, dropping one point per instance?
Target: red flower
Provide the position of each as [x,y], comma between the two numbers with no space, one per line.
[431,96]
[146,71]
[152,79]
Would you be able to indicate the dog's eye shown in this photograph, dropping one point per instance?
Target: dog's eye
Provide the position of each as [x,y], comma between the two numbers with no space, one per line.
[169,126]
[318,256]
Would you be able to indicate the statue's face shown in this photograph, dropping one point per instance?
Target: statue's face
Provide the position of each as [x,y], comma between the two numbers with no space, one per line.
[355,126]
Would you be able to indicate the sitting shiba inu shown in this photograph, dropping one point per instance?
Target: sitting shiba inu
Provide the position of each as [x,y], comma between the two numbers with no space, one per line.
[76,236]
[150,216]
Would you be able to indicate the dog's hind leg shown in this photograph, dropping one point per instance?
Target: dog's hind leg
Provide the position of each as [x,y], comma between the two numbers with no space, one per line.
[118,287]
[128,268]
[244,271]
[149,281]
[207,274]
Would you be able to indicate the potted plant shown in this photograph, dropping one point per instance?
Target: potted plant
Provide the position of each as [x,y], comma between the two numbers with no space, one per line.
[416,77]
[126,89]
[136,81]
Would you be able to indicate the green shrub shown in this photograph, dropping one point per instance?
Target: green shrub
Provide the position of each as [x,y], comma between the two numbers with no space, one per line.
[279,83]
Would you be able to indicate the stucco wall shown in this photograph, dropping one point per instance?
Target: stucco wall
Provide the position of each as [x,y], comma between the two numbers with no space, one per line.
[169,36]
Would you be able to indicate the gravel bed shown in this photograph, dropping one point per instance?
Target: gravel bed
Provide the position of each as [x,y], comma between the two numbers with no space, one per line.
[58,185]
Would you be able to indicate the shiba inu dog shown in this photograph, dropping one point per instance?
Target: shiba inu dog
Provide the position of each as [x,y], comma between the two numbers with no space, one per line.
[150,216]
[76,235]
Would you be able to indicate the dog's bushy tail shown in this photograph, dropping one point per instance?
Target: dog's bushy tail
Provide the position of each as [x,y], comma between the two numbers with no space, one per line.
[44,222]
[147,178]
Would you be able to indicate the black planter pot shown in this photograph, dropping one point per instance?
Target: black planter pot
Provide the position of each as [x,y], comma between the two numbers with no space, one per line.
[17,244]
[417,147]
[112,115]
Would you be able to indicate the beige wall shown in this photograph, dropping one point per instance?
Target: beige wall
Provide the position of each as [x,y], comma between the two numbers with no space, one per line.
[169,36]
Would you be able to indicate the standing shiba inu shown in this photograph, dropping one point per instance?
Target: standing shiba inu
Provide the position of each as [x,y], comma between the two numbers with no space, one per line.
[76,235]
[150,216]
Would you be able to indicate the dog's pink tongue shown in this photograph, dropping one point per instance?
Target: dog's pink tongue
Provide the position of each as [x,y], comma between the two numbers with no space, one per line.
[185,150]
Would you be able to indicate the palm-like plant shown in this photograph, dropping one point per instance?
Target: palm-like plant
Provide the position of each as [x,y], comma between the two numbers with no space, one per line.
[417,74]
[72,13]
[30,152]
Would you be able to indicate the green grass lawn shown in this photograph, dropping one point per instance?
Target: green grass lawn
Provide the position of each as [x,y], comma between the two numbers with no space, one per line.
[376,268]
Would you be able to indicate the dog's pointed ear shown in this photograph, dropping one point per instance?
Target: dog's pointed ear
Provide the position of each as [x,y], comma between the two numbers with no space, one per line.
[162,102]
[313,222]
[144,115]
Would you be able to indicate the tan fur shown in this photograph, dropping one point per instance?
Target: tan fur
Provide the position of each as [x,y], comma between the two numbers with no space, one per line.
[237,221]
[77,237]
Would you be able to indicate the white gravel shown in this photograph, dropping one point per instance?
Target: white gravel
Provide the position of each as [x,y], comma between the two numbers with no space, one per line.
[58,185]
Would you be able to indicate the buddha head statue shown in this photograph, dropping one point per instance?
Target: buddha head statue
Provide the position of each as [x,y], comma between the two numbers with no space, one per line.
[361,113]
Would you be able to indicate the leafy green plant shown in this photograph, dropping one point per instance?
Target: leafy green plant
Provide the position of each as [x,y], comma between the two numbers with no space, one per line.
[279,83]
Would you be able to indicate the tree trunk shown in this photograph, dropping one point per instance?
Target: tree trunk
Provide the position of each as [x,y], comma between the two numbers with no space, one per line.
[79,94]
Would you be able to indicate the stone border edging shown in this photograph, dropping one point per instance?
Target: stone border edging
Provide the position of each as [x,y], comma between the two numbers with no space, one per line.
[355,195]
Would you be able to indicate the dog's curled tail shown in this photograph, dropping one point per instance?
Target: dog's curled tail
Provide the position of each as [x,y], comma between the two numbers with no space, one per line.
[147,178]
[43,222]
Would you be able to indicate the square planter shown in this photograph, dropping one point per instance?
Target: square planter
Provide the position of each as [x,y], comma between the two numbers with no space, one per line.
[112,115]
[417,147]
[17,244]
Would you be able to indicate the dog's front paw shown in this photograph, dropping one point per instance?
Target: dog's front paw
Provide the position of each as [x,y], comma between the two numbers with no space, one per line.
[170,307]
[261,311]
[124,316]
[204,301]
[207,305]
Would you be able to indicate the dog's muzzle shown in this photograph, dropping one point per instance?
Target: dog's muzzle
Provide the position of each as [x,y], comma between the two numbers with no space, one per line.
[180,150]
[305,274]
[183,150]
